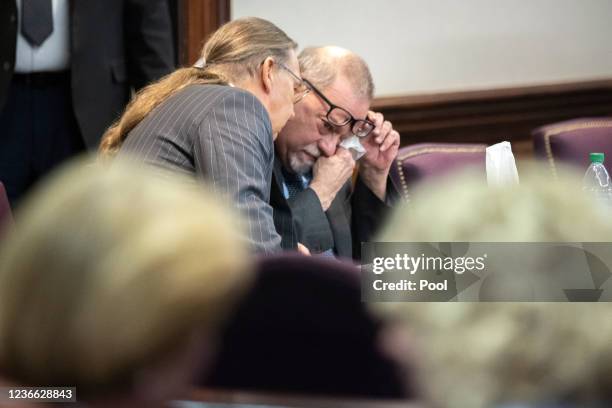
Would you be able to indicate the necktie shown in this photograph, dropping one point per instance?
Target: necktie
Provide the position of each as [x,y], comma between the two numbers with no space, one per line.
[294,183]
[36,20]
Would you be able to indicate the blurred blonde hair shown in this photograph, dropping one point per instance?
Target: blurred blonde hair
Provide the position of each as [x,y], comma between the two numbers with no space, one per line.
[482,354]
[233,52]
[462,208]
[109,270]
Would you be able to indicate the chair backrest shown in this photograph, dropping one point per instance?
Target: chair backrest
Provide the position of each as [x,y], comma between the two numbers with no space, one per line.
[570,142]
[425,161]
[304,330]
[6,218]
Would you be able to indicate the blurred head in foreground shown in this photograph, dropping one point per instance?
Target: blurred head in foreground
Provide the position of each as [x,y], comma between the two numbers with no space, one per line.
[486,354]
[115,282]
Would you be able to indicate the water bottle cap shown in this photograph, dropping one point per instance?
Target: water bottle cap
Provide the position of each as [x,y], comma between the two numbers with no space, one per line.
[596,157]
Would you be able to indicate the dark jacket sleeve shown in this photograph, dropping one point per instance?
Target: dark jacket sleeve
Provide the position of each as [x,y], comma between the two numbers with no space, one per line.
[310,222]
[8,38]
[368,213]
[149,41]
[352,218]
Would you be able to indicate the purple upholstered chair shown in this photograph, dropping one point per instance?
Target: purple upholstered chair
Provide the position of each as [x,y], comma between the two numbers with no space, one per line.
[570,142]
[425,161]
[6,219]
[303,329]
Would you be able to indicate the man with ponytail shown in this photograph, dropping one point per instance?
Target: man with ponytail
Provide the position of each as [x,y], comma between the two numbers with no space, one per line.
[218,122]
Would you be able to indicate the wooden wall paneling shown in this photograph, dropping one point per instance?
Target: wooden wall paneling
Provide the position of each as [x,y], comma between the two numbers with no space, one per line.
[494,115]
[197,19]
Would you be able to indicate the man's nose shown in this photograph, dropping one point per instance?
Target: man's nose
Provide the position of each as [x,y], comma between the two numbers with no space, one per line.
[328,144]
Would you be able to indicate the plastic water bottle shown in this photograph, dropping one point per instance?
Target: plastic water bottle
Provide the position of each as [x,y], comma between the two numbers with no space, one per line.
[596,181]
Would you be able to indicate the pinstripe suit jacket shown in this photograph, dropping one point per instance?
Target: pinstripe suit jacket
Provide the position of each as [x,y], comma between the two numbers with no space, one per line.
[219,134]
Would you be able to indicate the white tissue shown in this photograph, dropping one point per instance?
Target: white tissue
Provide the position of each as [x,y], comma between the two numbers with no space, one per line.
[501,167]
[353,145]
[200,63]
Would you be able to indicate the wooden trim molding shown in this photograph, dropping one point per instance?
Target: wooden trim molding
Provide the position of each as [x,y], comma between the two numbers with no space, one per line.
[491,116]
[197,19]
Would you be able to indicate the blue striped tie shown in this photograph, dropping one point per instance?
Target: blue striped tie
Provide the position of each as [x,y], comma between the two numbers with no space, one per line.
[294,183]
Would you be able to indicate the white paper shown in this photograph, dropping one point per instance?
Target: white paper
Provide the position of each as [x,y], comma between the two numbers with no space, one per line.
[353,145]
[501,166]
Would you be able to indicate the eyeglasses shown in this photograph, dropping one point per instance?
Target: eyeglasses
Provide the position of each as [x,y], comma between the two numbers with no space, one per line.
[338,116]
[300,89]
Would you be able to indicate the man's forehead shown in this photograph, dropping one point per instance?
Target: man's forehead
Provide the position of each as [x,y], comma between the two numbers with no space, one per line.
[342,93]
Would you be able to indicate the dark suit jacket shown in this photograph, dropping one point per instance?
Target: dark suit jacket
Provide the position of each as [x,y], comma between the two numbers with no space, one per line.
[353,217]
[116,45]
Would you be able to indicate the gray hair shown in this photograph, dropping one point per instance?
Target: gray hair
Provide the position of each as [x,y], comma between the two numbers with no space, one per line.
[321,66]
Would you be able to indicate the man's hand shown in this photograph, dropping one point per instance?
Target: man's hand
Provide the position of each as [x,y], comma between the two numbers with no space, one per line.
[329,175]
[381,149]
[301,248]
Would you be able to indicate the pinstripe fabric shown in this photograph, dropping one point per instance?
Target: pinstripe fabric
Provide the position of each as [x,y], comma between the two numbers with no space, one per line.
[219,134]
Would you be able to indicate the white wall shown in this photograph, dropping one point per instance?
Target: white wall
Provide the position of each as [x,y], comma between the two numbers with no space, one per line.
[423,46]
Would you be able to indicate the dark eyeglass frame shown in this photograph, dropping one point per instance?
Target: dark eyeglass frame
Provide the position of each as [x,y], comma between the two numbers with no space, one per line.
[354,123]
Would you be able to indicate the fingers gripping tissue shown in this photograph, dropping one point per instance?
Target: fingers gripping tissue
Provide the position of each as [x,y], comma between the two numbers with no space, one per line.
[354,146]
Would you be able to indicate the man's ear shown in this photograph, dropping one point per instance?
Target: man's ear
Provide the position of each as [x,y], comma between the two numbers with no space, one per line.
[266,74]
